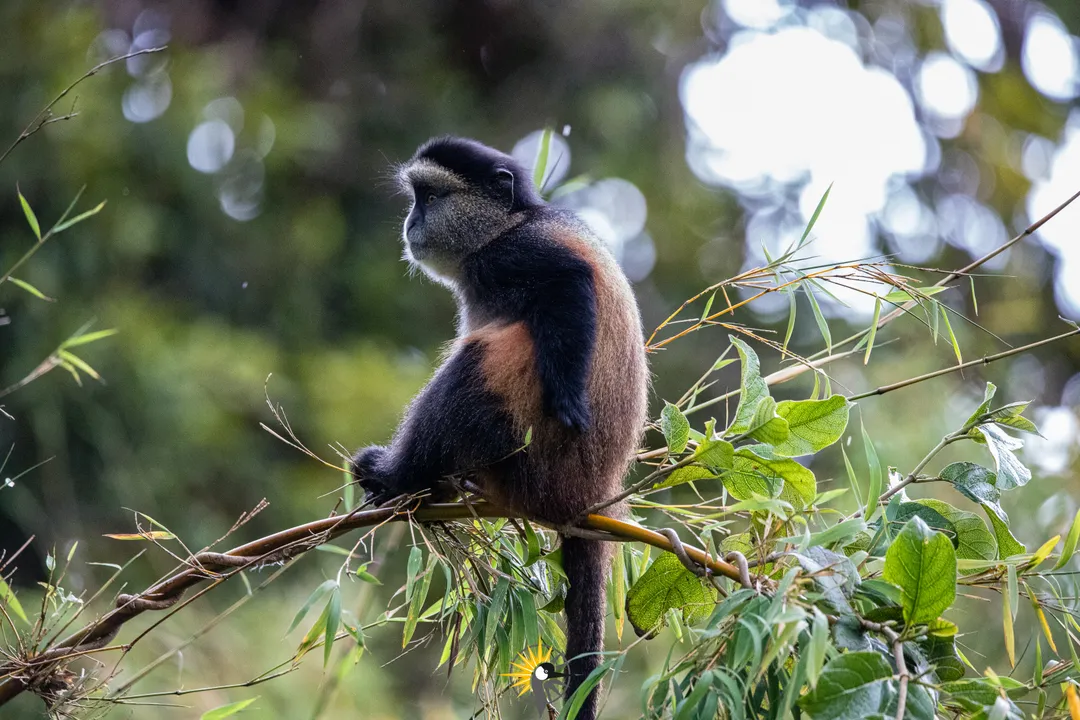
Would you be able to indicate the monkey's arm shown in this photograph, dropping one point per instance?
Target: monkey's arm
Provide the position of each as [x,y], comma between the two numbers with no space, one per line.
[562,322]
[454,425]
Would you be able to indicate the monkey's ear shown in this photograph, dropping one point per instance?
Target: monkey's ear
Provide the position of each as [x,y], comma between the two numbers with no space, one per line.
[504,181]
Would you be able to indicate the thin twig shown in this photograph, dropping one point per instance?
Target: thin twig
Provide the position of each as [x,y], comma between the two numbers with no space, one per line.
[42,118]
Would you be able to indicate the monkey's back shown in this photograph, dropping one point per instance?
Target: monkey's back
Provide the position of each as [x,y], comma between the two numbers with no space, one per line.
[562,472]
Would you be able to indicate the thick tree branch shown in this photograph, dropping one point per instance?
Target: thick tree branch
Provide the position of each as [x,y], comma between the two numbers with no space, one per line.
[18,676]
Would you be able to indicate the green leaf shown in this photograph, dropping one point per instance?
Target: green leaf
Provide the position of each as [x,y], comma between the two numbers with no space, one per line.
[816,214]
[852,685]
[227,710]
[1011,416]
[813,424]
[898,297]
[78,218]
[1067,549]
[1007,544]
[752,473]
[768,427]
[88,338]
[668,585]
[333,620]
[984,406]
[315,596]
[873,492]
[31,218]
[717,455]
[676,428]
[532,544]
[973,540]
[873,330]
[30,289]
[952,337]
[582,693]
[542,154]
[823,325]
[819,643]
[416,605]
[412,570]
[497,607]
[752,388]
[792,305]
[7,596]
[922,563]
[976,483]
[1011,473]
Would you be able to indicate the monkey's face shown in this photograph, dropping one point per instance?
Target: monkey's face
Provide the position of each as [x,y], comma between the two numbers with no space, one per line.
[450,217]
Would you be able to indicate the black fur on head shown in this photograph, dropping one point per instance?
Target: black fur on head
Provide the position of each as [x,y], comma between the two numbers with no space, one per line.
[482,167]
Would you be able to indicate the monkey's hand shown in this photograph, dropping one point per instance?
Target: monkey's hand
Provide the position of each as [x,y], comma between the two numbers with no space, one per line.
[368,466]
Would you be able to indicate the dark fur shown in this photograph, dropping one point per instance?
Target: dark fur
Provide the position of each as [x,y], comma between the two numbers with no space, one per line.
[549,339]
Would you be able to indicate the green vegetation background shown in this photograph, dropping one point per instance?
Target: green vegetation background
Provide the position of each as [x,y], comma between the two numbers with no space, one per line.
[313,291]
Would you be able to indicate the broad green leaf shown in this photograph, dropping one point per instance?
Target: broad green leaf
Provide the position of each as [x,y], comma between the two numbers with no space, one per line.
[7,596]
[717,455]
[813,424]
[922,563]
[752,387]
[685,474]
[769,476]
[31,218]
[1011,416]
[852,685]
[30,289]
[833,574]
[668,585]
[1067,550]
[984,406]
[675,427]
[974,540]
[1011,473]
[973,695]
[976,483]
[768,427]
[1007,544]
[229,710]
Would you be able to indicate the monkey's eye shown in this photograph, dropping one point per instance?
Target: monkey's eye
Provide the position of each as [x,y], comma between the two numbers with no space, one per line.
[430,198]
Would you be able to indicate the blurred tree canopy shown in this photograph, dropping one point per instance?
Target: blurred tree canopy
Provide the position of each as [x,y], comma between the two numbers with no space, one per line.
[250,231]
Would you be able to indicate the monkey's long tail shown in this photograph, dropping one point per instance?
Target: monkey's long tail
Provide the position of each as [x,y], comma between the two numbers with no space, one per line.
[586,564]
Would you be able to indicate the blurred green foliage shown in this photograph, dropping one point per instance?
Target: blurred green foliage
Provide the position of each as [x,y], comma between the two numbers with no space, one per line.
[311,289]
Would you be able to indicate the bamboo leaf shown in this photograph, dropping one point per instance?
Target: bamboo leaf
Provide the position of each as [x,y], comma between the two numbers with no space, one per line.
[30,289]
[7,596]
[952,337]
[224,711]
[31,218]
[78,218]
[873,330]
[1069,548]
